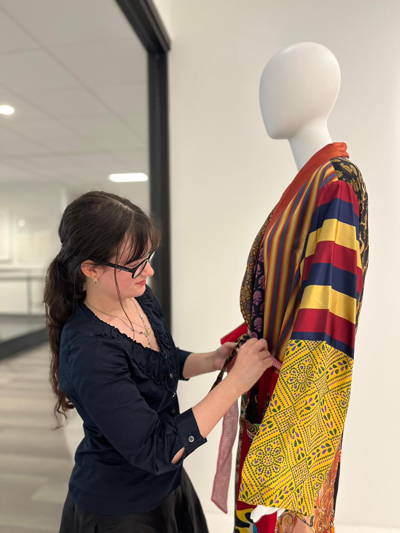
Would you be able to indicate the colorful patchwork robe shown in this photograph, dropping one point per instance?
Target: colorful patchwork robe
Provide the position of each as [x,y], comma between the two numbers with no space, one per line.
[302,291]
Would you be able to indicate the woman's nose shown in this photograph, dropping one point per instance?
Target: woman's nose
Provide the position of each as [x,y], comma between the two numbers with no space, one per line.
[148,270]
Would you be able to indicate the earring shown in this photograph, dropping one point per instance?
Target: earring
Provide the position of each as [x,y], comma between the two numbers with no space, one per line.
[95,280]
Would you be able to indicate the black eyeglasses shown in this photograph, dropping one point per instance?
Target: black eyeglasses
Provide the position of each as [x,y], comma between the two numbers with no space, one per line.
[135,271]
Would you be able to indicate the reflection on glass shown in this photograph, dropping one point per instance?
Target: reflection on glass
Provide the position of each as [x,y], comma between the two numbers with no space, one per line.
[78,87]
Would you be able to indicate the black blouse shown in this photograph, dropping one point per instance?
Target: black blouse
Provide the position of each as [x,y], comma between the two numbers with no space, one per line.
[126,395]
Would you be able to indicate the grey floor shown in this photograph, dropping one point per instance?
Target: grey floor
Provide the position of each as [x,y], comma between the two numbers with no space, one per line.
[35,463]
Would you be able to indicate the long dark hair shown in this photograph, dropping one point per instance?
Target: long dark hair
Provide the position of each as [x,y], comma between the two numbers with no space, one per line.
[93,227]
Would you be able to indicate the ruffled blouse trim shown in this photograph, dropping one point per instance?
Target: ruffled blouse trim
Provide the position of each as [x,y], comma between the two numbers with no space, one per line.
[156,365]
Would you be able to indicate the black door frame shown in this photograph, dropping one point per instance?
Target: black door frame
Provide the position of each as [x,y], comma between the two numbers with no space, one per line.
[148,26]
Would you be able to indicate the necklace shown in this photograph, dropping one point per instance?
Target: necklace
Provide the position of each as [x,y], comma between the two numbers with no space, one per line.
[146,329]
[146,332]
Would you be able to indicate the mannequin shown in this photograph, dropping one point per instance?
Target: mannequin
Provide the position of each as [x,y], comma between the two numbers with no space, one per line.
[299,111]
[302,292]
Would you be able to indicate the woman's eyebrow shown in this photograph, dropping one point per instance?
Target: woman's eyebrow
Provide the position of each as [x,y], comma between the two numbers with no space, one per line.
[138,260]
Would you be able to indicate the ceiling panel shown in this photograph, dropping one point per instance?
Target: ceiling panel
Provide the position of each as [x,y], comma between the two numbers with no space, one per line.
[55,23]
[124,98]
[73,144]
[129,142]
[23,109]
[138,122]
[104,163]
[22,179]
[5,133]
[104,63]
[46,128]
[99,126]
[33,70]
[52,163]
[76,75]
[130,102]
[8,173]
[136,161]
[67,102]
[21,147]
[52,169]
[12,37]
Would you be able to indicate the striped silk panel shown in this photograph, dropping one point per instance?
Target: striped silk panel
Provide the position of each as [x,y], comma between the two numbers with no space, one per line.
[313,286]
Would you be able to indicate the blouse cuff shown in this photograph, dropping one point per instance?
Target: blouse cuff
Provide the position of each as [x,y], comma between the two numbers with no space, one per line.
[182,356]
[189,431]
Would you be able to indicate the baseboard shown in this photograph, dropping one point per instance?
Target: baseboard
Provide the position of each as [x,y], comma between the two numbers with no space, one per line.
[23,342]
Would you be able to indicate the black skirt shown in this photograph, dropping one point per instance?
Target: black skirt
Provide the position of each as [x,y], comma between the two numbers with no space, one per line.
[181,512]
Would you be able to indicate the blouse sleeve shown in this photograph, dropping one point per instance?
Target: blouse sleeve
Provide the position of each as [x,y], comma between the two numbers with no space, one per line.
[102,381]
[182,356]
[301,433]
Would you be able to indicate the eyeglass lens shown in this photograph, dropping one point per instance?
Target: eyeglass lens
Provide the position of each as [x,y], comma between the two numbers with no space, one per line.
[142,267]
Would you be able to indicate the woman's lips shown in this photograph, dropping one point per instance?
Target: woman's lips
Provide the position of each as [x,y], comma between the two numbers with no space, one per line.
[141,282]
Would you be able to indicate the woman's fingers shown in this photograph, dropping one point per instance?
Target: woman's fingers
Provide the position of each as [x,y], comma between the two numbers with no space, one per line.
[229,345]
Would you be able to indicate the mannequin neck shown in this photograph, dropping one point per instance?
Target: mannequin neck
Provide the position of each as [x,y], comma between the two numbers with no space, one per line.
[308,141]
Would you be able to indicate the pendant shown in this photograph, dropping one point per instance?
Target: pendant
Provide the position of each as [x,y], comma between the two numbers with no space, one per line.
[146,328]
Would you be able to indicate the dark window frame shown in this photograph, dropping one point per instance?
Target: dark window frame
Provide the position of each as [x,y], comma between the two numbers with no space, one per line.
[148,26]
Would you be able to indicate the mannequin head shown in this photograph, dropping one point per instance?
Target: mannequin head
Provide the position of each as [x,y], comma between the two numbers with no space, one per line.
[299,87]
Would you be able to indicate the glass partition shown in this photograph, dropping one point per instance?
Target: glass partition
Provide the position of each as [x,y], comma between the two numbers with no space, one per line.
[75,74]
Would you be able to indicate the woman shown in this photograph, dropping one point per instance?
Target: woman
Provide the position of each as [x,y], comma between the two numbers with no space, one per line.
[114,360]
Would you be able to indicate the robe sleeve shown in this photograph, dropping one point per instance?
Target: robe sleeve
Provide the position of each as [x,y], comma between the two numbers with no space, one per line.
[301,432]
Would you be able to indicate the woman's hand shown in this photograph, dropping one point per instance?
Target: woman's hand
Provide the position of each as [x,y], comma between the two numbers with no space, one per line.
[252,360]
[221,354]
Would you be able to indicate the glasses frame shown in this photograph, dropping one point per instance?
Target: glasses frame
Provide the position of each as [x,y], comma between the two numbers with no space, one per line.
[134,269]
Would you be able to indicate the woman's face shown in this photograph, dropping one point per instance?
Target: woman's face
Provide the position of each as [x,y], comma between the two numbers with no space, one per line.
[129,287]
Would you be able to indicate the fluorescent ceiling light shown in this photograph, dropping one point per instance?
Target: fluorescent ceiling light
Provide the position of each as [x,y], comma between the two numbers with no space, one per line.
[138,176]
[6,110]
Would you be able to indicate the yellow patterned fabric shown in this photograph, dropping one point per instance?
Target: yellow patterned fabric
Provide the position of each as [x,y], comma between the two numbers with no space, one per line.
[311,325]
[302,292]
[296,444]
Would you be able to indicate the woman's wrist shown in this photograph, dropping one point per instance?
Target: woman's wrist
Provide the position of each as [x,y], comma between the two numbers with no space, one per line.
[200,363]
[234,385]
[213,361]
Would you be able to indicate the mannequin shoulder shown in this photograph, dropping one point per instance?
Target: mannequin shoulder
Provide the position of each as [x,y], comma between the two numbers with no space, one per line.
[345,169]
[349,172]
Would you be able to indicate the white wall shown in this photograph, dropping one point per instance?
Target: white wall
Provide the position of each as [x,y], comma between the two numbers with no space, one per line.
[227,175]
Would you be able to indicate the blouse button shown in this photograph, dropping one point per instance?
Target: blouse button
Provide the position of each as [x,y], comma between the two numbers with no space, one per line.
[171,376]
[191,439]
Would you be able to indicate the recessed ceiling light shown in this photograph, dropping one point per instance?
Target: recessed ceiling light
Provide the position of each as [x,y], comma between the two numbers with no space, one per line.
[6,110]
[138,176]
[21,223]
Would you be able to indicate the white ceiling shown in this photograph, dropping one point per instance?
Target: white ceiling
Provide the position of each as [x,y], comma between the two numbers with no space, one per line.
[76,74]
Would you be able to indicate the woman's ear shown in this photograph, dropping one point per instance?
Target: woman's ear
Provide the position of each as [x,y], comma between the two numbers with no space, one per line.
[89,269]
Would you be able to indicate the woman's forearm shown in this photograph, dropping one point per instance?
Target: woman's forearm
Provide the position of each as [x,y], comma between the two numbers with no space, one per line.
[213,407]
[199,363]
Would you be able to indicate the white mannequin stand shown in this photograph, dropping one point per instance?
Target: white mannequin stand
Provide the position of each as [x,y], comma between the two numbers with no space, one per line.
[298,89]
